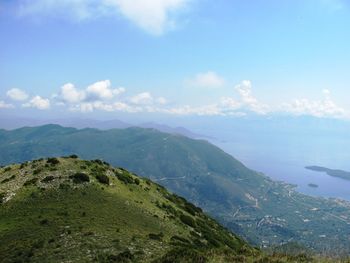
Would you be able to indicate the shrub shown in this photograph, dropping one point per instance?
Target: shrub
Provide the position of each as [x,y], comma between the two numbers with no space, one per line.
[47,179]
[53,161]
[179,255]
[169,209]
[188,220]
[7,169]
[44,222]
[37,171]
[125,178]
[8,179]
[125,256]
[73,156]
[2,197]
[98,161]
[105,163]
[158,237]
[103,179]
[180,239]
[190,208]
[31,182]
[148,182]
[137,181]
[79,178]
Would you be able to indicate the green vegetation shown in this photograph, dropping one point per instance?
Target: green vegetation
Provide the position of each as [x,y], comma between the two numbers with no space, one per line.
[80,177]
[264,212]
[65,215]
[103,179]
[62,216]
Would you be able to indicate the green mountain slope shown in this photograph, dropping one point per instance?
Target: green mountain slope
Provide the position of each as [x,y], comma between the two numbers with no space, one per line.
[265,212]
[69,210]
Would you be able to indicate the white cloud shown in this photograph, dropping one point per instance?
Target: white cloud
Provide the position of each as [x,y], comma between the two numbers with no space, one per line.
[87,107]
[162,100]
[230,103]
[153,16]
[17,94]
[72,95]
[98,91]
[142,99]
[101,90]
[38,103]
[4,105]
[206,110]
[318,108]
[208,79]
[248,100]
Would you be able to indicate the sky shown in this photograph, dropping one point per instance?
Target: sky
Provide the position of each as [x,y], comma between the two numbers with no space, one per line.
[175,58]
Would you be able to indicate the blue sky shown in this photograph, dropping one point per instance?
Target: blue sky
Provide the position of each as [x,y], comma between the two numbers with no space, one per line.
[175,57]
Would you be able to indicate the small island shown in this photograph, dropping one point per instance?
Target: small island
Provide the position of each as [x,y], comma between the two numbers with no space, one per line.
[312,185]
[331,172]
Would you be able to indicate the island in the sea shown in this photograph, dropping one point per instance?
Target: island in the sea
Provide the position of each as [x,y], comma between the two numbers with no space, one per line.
[313,185]
[335,173]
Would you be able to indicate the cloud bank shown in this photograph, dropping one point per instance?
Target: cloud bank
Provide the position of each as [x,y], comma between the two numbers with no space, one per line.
[102,96]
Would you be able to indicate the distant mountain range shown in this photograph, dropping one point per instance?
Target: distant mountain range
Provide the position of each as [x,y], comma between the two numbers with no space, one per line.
[15,123]
[264,212]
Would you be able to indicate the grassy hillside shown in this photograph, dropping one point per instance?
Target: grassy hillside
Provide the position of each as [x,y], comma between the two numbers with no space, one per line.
[264,212]
[67,209]
[70,210]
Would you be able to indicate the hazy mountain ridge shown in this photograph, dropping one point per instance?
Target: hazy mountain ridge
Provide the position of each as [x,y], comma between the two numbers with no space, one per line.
[78,123]
[331,172]
[265,212]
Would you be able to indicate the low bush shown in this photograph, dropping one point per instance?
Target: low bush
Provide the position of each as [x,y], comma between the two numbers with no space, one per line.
[37,171]
[31,182]
[179,255]
[53,161]
[180,239]
[2,197]
[8,179]
[47,179]
[158,237]
[125,256]
[44,222]
[98,161]
[125,178]
[103,179]
[79,178]
[192,209]
[188,220]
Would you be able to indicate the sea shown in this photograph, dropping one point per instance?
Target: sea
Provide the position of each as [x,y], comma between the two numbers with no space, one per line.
[283,153]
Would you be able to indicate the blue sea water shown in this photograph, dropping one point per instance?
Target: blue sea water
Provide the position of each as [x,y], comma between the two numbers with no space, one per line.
[281,148]
[284,158]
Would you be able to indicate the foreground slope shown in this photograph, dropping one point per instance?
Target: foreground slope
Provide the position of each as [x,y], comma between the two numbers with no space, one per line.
[265,212]
[66,209]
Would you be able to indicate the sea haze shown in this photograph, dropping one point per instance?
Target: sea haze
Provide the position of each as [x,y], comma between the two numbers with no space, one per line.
[282,147]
